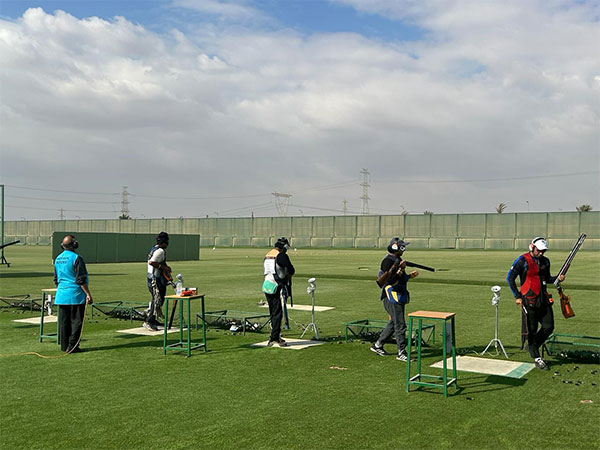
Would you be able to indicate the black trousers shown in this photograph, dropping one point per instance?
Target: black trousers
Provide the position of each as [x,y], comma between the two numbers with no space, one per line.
[276,312]
[70,324]
[542,317]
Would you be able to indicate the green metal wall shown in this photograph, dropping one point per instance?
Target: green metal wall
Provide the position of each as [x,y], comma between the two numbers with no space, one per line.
[127,247]
[436,231]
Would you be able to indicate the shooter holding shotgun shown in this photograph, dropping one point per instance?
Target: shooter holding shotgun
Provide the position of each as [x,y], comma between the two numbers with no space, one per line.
[533,269]
[394,295]
[278,271]
[158,277]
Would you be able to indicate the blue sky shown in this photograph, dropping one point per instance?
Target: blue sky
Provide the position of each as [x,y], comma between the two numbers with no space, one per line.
[207,107]
[304,16]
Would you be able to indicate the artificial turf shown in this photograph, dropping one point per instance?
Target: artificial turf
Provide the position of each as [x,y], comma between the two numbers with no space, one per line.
[123,393]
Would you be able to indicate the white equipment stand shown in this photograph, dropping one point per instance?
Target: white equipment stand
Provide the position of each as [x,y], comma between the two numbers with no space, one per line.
[311,290]
[496,341]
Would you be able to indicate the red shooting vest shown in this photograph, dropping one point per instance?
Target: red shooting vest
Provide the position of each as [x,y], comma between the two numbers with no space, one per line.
[532,287]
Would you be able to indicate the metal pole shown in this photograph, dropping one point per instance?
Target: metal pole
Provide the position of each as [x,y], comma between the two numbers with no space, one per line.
[2,231]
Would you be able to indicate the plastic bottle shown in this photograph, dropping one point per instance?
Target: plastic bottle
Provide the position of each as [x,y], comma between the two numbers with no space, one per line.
[179,284]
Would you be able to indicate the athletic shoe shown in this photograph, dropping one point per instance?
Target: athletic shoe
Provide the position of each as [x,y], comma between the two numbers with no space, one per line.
[282,343]
[402,356]
[379,350]
[541,364]
[270,343]
[150,326]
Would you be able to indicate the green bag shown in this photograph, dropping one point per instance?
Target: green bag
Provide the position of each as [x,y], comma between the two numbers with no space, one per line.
[269,287]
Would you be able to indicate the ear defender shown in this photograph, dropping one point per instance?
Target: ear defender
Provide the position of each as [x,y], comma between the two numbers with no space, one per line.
[537,239]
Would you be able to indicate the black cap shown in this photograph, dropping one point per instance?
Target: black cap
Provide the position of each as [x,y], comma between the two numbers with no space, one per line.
[162,238]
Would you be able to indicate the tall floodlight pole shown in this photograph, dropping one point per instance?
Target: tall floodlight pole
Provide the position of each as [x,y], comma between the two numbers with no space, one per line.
[282,201]
[365,197]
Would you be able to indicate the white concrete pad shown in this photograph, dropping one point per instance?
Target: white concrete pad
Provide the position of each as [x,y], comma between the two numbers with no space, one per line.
[504,368]
[37,320]
[303,307]
[293,344]
[141,331]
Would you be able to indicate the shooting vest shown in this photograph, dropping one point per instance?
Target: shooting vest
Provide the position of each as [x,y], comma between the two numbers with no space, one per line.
[531,289]
[396,292]
[68,291]
[152,271]
[272,268]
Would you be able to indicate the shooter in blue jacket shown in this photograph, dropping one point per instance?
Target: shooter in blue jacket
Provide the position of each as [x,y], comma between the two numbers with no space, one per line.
[72,294]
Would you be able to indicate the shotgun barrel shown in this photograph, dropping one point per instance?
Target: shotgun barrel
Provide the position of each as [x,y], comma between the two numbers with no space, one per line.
[419,266]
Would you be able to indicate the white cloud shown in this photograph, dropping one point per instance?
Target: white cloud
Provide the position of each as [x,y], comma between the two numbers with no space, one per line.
[493,89]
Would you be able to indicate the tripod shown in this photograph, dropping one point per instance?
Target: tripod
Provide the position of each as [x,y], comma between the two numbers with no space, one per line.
[496,341]
[311,290]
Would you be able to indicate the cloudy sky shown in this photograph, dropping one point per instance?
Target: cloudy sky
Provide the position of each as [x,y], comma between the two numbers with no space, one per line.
[208,107]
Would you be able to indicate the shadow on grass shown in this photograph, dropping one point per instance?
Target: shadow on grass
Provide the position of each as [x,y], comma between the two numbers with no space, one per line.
[27,275]
[50,275]
[476,384]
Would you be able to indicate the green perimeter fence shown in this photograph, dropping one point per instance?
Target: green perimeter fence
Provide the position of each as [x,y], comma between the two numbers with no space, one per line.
[127,247]
[427,231]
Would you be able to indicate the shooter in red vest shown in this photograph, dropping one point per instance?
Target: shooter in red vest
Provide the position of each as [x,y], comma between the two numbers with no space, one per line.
[533,269]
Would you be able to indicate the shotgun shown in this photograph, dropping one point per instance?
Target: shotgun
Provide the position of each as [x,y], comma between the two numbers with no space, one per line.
[383,278]
[565,306]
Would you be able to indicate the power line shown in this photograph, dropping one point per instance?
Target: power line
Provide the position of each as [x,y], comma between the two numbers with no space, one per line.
[56,190]
[322,209]
[56,209]
[62,200]
[221,197]
[492,180]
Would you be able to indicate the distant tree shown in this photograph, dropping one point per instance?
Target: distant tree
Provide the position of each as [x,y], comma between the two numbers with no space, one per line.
[501,207]
[427,212]
[124,217]
[584,208]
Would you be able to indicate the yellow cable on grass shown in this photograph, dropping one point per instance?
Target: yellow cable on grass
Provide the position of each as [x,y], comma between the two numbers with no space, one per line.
[57,356]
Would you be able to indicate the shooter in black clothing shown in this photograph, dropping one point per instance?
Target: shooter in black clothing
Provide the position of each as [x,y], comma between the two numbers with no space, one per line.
[278,270]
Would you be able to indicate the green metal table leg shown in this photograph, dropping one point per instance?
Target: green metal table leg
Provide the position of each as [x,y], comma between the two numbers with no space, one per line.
[408,355]
[203,325]
[445,363]
[454,355]
[189,336]
[165,327]
[419,331]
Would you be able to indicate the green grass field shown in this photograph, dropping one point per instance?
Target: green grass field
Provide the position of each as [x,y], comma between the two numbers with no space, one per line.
[123,393]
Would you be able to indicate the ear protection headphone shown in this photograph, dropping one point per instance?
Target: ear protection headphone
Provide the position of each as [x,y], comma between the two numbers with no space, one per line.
[71,245]
[282,243]
[532,245]
[395,246]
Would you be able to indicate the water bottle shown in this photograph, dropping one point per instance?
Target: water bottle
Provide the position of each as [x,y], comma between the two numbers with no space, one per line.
[179,284]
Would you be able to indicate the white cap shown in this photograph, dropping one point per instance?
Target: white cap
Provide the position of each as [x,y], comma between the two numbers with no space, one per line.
[539,243]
